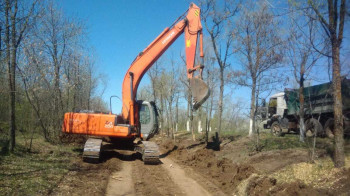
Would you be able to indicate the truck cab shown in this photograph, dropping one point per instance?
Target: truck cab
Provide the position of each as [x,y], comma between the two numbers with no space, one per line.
[277,105]
[275,114]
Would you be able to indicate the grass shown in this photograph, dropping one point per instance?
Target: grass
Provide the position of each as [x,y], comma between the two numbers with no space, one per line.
[271,142]
[36,172]
[290,141]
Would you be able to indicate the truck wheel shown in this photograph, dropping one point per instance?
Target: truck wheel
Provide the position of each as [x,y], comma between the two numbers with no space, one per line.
[329,128]
[312,127]
[276,129]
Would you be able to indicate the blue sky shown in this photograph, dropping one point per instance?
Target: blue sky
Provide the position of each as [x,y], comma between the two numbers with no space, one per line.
[119,30]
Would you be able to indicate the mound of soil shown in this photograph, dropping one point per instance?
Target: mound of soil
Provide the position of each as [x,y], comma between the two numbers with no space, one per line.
[234,170]
[296,188]
[271,161]
[255,185]
[342,186]
[224,173]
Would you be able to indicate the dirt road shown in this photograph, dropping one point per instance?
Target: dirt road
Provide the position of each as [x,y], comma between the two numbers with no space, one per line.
[167,178]
[190,168]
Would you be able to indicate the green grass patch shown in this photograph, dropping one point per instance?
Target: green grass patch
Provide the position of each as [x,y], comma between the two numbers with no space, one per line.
[36,172]
[271,142]
[227,134]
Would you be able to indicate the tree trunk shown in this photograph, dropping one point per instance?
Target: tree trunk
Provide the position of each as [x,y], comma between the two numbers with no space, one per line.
[301,107]
[221,96]
[161,119]
[252,109]
[13,82]
[339,157]
[171,123]
[177,113]
[11,66]
[190,114]
[90,88]
[8,63]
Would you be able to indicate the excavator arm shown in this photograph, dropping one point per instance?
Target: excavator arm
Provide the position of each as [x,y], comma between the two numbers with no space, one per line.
[191,26]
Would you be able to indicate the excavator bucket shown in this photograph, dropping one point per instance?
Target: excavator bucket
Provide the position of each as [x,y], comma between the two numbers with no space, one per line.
[200,92]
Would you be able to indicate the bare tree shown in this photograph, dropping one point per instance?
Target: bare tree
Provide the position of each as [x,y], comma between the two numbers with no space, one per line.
[76,79]
[211,79]
[216,19]
[302,58]
[18,19]
[144,93]
[58,39]
[188,97]
[331,17]
[259,46]
[153,73]
[171,89]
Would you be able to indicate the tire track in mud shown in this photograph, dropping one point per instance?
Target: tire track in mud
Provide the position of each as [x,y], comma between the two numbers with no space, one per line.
[153,180]
[120,183]
[187,184]
[167,178]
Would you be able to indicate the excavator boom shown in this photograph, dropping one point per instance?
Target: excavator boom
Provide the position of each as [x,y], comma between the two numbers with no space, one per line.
[191,26]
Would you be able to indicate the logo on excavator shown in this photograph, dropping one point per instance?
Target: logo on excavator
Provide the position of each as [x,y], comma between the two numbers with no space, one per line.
[167,38]
[74,120]
[188,43]
[108,125]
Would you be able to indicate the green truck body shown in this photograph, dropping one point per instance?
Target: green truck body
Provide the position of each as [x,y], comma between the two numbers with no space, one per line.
[282,111]
[318,98]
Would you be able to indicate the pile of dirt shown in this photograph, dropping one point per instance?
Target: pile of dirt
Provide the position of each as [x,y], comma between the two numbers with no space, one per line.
[255,185]
[166,145]
[234,170]
[341,186]
[271,161]
[296,188]
[264,185]
[224,173]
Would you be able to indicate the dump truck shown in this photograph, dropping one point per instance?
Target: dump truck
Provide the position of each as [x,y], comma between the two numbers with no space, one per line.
[281,113]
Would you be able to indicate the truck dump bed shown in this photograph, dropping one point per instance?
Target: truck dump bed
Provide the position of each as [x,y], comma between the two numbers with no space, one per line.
[318,98]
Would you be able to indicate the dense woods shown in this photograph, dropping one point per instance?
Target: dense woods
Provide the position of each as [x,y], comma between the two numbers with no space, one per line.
[47,68]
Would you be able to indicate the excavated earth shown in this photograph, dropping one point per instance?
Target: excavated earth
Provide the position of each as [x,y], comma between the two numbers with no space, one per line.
[194,168]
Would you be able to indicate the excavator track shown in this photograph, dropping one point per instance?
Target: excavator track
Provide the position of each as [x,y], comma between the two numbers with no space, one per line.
[150,152]
[92,150]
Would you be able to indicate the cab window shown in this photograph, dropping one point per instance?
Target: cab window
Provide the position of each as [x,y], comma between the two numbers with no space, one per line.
[145,116]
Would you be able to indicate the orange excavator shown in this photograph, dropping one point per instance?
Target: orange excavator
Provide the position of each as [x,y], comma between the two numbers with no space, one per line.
[138,120]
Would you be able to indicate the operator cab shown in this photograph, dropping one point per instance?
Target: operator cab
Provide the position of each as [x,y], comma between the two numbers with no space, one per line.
[148,118]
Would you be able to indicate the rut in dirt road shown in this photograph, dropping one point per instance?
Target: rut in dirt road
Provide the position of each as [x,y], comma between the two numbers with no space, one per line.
[167,178]
[120,183]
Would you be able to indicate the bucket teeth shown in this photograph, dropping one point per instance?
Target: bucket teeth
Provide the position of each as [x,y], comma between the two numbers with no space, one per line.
[200,92]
